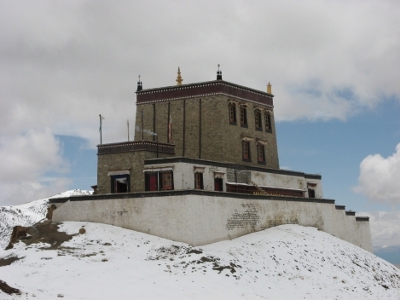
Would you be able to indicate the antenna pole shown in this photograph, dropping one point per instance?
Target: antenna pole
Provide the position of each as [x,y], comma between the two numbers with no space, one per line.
[142,123]
[127,124]
[101,130]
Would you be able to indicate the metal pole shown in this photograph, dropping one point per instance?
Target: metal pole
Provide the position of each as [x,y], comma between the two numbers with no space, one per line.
[127,123]
[101,131]
[157,144]
[142,123]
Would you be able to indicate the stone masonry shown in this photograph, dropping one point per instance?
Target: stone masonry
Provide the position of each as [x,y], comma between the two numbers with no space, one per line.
[201,128]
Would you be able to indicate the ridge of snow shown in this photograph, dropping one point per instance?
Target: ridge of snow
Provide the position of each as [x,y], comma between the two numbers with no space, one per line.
[284,262]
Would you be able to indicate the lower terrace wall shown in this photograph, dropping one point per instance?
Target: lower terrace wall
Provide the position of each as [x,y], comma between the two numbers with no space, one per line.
[199,217]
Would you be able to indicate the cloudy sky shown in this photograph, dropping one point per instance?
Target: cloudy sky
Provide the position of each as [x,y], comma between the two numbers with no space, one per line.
[334,67]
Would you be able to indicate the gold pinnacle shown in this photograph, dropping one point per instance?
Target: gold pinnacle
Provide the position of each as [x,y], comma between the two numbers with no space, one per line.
[269,88]
[179,79]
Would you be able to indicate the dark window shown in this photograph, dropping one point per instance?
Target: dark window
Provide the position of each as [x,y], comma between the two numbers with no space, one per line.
[246,150]
[243,116]
[232,113]
[218,184]
[166,181]
[260,153]
[268,122]
[120,183]
[311,193]
[257,118]
[151,181]
[198,181]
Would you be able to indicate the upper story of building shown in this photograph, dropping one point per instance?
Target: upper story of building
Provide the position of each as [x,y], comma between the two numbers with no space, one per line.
[213,120]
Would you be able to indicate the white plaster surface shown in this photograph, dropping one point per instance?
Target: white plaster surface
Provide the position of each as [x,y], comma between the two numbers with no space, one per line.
[184,178]
[200,220]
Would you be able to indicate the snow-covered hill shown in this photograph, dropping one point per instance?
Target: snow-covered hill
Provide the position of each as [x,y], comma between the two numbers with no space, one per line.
[27,214]
[284,262]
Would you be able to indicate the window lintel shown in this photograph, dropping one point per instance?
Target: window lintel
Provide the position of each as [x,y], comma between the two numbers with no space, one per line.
[247,138]
[119,172]
[197,169]
[261,142]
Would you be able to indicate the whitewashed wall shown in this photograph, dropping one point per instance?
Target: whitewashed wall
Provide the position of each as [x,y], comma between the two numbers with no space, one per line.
[184,178]
[200,220]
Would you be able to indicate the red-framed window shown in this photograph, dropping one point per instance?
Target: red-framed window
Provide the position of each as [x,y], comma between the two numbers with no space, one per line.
[218,185]
[166,180]
[156,181]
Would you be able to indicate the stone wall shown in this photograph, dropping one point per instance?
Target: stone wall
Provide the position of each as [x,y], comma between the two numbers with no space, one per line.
[200,218]
[201,129]
[131,161]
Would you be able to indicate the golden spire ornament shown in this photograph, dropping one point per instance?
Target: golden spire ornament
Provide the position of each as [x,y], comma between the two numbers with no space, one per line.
[179,79]
[269,88]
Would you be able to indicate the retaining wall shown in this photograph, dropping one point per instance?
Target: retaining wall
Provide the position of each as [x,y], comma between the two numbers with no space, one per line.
[200,218]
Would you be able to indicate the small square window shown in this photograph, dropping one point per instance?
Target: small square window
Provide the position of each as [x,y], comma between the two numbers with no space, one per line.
[120,184]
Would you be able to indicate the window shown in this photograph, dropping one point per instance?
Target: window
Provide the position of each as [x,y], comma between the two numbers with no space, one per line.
[151,181]
[198,181]
[218,184]
[243,116]
[166,181]
[311,189]
[232,113]
[120,183]
[156,181]
[260,153]
[246,150]
[257,118]
[268,122]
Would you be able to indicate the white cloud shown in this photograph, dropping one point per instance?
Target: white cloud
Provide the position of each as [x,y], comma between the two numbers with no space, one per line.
[65,62]
[385,227]
[379,178]
[25,161]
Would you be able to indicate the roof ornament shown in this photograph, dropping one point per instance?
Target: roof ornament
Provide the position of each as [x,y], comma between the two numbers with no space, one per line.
[219,74]
[139,85]
[269,88]
[179,79]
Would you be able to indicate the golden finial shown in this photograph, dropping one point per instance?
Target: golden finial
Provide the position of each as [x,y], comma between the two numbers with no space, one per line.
[269,88]
[179,79]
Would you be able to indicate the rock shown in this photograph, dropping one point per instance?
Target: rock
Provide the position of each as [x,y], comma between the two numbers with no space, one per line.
[50,210]
[8,289]
[18,232]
